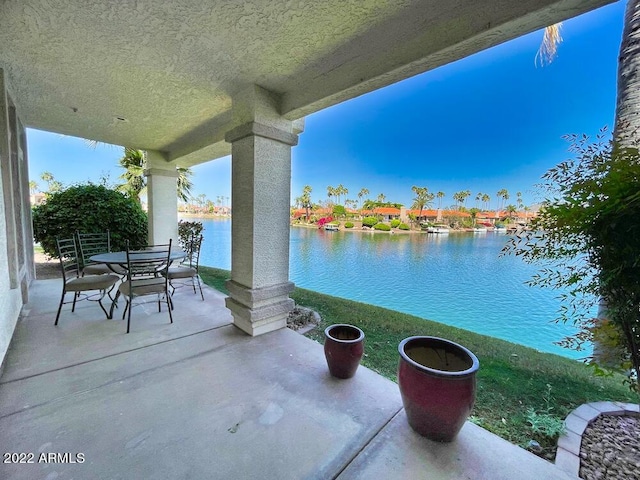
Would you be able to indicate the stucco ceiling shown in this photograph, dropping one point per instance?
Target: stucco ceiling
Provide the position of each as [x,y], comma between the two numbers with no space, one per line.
[161,75]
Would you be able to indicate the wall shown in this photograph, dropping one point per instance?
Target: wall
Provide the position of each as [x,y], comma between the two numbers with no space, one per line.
[16,235]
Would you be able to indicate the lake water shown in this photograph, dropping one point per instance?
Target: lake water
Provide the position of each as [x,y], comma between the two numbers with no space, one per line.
[457,279]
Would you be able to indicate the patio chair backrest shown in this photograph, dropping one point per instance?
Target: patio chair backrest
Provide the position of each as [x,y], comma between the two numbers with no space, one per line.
[149,262]
[93,244]
[192,249]
[68,254]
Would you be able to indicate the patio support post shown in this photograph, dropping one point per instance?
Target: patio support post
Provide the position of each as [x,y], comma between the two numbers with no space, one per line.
[162,198]
[260,195]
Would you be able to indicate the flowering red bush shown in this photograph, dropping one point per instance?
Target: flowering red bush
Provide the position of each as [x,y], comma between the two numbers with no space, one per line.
[324,220]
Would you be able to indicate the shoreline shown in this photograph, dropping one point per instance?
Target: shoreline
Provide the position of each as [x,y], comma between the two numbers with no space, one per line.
[396,231]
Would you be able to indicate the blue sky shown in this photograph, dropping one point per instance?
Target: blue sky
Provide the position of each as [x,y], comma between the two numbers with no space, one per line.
[490,121]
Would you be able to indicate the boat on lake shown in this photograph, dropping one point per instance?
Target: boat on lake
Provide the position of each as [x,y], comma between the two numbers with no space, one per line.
[438,228]
[331,227]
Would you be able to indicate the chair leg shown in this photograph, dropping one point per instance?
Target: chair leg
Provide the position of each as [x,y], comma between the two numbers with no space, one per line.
[129,316]
[126,307]
[114,303]
[169,306]
[104,293]
[60,306]
[200,287]
[75,297]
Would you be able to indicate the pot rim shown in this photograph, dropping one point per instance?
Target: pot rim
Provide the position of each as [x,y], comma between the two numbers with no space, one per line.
[475,364]
[335,325]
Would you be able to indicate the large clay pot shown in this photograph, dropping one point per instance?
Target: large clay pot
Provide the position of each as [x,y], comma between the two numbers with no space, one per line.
[437,380]
[343,348]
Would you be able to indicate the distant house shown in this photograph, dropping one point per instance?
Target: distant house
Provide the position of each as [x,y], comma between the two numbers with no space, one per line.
[37,198]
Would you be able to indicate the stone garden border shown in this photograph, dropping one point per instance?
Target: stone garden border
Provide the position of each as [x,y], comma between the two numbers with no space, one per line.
[569,444]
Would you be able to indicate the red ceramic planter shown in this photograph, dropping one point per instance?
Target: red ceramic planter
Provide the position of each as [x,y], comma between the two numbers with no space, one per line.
[437,380]
[343,349]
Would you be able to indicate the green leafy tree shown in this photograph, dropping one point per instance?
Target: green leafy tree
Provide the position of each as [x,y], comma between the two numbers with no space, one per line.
[89,208]
[587,237]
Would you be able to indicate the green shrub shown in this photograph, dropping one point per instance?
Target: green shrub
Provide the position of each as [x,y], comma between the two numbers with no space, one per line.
[403,226]
[395,223]
[89,208]
[186,230]
[348,225]
[335,222]
[382,227]
[369,221]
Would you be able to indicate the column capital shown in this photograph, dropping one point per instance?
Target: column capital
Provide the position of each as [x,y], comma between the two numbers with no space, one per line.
[261,130]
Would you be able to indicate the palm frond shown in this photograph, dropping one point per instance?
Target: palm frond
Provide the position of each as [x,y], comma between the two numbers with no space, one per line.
[549,46]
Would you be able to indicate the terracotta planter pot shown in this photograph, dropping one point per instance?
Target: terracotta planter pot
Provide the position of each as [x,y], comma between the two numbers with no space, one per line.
[343,348]
[437,380]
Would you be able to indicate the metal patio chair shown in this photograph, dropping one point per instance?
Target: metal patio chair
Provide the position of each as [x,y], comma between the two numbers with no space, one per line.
[188,268]
[92,244]
[76,284]
[146,274]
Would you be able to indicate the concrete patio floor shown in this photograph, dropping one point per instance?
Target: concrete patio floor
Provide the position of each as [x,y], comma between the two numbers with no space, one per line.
[199,399]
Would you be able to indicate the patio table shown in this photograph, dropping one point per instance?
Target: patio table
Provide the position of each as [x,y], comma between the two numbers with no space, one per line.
[120,259]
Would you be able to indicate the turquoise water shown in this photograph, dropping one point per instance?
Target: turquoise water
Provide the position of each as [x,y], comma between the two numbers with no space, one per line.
[457,279]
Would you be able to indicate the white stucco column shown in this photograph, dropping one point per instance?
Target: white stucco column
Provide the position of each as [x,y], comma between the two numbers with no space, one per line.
[162,199]
[260,189]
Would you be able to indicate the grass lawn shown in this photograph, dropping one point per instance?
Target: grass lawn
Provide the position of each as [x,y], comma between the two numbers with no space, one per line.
[519,389]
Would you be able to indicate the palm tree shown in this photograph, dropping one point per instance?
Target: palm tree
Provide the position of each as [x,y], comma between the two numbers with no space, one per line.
[361,194]
[627,121]
[478,199]
[466,194]
[486,200]
[33,187]
[339,191]
[53,185]
[440,196]
[305,199]
[134,163]
[330,192]
[423,199]
[519,200]
[381,198]
[504,194]
[459,197]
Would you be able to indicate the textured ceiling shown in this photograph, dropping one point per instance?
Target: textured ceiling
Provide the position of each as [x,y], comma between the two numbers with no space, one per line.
[161,75]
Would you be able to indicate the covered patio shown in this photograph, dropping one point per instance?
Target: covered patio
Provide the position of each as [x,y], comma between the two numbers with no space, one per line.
[189,82]
[200,399]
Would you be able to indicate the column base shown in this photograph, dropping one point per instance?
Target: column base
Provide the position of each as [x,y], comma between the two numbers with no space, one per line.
[259,310]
